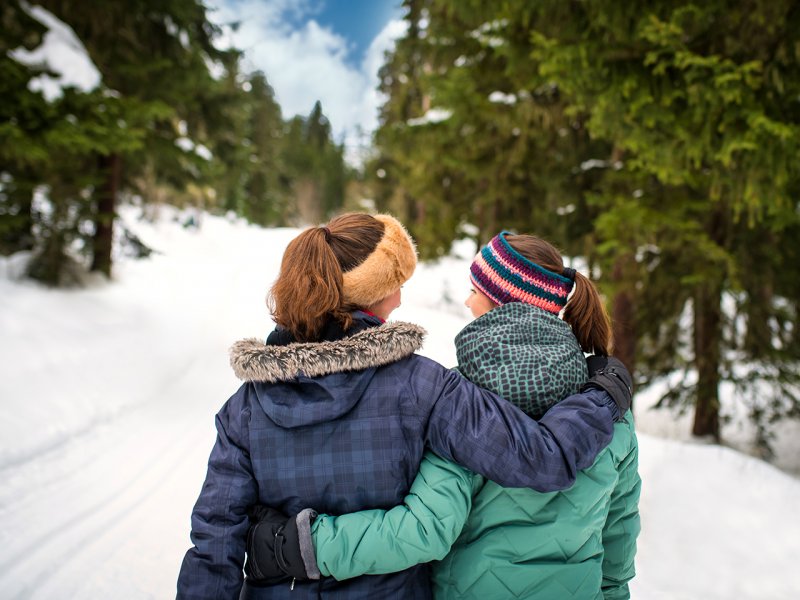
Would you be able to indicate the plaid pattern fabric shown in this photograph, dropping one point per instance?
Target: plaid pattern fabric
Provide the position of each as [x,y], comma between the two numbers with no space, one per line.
[355,440]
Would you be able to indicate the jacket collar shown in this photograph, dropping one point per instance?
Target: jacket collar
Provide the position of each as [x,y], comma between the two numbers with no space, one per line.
[252,360]
[332,331]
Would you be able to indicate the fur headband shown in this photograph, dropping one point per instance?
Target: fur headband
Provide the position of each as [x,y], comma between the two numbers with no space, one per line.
[388,267]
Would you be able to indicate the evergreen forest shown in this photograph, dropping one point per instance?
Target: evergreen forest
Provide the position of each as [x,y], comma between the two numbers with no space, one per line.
[658,141]
[174,120]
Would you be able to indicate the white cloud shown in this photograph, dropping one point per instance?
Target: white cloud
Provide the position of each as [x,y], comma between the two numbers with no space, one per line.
[309,63]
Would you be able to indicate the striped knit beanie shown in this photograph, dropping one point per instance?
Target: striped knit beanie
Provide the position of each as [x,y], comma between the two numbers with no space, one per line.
[504,276]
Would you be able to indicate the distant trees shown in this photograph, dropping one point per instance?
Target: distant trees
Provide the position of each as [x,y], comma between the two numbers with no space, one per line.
[657,139]
[173,118]
[314,167]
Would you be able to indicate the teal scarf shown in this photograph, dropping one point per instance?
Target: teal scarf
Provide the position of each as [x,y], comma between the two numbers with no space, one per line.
[526,355]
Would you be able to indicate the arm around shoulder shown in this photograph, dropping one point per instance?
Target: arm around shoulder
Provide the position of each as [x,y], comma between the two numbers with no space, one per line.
[490,436]
[422,529]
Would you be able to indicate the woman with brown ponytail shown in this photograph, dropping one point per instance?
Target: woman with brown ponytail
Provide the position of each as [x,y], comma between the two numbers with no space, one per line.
[336,412]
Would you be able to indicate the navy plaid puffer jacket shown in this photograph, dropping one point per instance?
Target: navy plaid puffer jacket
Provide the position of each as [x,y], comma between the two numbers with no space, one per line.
[342,426]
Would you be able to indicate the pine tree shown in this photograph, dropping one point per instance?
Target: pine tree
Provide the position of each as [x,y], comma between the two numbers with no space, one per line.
[151,56]
[314,172]
[504,156]
[21,111]
[266,201]
[50,147]
[699,99]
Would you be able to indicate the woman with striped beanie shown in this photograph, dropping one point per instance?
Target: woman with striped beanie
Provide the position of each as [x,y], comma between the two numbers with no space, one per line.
[518,346]
[529,270]
[500,542]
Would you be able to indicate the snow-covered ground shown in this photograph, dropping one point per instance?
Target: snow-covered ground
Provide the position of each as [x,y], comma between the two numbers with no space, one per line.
[107,398]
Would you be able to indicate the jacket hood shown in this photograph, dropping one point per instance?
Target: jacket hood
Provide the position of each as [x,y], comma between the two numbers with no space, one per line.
[306,383]
[525,354]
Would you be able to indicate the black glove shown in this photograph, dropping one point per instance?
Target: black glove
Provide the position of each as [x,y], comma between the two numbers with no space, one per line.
[275,545]
[609,374]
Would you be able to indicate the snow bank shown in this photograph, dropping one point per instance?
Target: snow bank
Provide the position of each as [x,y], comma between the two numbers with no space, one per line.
[60,51]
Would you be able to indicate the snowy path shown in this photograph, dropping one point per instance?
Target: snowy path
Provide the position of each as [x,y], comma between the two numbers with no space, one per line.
[108,396]
[98,482]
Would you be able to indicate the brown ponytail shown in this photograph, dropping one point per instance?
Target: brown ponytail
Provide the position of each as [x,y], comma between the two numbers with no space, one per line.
[588,318]
[308,292]
[584,311]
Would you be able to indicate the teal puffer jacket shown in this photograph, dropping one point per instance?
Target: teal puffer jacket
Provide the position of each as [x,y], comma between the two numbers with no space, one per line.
[579,543]
[495,542]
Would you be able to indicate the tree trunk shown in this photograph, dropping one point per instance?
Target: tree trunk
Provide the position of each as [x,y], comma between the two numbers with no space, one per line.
[306,193]
[758,335]
[707,320]
[420,212]
[16,221]
[111,167]
[623,313]
[708,336]
[487,219]
[624,276]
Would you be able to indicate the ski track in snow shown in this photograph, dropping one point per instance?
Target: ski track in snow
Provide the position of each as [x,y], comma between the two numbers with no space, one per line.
[87,474]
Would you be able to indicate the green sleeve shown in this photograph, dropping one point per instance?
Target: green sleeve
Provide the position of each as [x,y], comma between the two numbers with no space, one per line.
[621,529]
[420,530]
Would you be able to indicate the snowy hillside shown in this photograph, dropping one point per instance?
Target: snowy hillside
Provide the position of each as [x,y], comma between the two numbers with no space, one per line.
[107,402]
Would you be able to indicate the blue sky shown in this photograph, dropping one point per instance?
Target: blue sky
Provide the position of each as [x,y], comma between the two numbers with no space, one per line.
[358,21]
[326,50]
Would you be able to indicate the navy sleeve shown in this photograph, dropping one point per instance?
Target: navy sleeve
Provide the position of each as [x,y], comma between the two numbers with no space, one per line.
[212,569]
[486,434]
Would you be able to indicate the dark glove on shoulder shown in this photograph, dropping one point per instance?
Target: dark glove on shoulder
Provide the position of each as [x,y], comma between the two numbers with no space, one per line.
[609,374]
[280,548]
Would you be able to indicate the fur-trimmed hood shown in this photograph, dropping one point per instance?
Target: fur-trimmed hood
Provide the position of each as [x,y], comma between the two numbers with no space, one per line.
[305,383]
[252,360]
